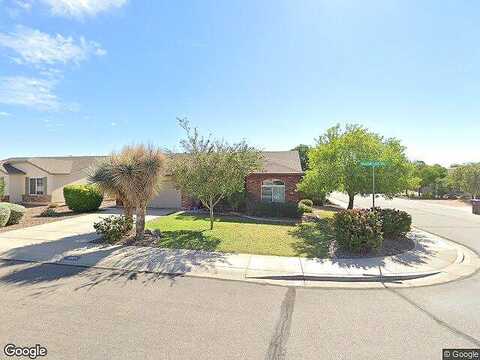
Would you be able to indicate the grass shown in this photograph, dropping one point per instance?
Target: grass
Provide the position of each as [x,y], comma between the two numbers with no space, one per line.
[240,235]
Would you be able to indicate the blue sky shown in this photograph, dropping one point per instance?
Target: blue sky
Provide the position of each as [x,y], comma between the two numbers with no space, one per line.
[86,77]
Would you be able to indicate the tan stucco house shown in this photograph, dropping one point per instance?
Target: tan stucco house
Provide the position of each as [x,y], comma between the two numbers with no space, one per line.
[41,180]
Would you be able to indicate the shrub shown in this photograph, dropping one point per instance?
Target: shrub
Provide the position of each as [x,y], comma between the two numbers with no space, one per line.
[113,228]
[48,212]
[358,231]
[395,223]
[304,208]
[267,209]
[306,202]
[4,215]
[16,212]
[82,198]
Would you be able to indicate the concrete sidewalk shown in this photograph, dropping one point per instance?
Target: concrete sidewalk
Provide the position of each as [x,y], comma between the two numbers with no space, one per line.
[68,242]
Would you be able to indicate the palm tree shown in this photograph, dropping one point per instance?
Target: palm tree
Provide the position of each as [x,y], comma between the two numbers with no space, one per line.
[133,175]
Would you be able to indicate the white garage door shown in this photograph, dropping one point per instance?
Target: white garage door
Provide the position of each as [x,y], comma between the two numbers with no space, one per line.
[168,197]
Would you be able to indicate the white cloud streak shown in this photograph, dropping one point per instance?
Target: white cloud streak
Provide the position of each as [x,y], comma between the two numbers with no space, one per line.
[38,48]
[33,93]
[81,8]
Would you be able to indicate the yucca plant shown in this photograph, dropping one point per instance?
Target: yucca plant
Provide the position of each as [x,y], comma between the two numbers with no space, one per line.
[133,175]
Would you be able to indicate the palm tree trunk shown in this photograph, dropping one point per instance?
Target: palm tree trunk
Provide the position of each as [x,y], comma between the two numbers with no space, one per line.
[140,223]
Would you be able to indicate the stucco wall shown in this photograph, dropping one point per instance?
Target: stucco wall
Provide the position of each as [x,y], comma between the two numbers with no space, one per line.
[16,187]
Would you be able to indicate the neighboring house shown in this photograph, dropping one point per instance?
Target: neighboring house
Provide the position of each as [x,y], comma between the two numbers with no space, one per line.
[41,179]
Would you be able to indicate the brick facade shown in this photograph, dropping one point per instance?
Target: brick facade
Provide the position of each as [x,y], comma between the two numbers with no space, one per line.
[37,199]
[253,185]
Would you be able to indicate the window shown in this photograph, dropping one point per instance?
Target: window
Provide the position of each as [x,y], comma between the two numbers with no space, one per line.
[36,186]
[273,191]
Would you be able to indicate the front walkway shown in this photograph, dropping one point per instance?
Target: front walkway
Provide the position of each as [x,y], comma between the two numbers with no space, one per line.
[434,260]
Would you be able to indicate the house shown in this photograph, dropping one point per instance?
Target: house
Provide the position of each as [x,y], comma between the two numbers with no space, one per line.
[40,180]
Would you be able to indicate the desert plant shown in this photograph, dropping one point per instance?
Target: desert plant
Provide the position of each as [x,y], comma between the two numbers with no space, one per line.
[4,215]
[358,231]
[82,198]
[114,228]
[136,173]
[48,212]
[16,212]
[395,223]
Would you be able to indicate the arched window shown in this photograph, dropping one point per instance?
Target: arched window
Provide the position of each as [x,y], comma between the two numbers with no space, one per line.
[273,190]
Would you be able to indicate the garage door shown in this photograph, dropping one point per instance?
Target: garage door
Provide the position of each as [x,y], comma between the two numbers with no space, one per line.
[168,197]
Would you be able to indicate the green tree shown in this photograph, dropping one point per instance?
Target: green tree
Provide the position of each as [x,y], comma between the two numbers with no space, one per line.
[335,164]
[303,153]
[211,170]
[432,176]
[467,178]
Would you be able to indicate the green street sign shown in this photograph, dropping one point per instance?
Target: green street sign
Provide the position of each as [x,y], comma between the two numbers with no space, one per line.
[372,163]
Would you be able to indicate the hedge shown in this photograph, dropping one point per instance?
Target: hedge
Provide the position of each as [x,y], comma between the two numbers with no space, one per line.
[395,223]
[358,231]
[82,198]
[4,215]
[270,209]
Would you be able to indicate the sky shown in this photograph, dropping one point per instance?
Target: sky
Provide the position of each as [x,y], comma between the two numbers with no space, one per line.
[85,77]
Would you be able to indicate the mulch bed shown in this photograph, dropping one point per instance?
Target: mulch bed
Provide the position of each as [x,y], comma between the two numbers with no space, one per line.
[389,248]
[32,216]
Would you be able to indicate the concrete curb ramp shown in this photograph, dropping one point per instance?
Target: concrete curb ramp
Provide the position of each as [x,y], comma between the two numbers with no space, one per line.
[433,260]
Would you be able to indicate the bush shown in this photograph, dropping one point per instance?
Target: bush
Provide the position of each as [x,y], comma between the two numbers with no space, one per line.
[48,212]
[395,223]
[358,231]
[306,202]
[16,212]
[113,228]
[4,215]
[267,209]
[82,198]
[304,208]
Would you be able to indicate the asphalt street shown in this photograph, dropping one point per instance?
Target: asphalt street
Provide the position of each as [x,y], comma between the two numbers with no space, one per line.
[81,313]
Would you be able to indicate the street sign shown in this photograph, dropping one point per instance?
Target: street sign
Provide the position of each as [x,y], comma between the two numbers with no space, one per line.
[372,163]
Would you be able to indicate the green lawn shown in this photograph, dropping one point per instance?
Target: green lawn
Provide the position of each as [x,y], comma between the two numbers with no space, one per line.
[240,235]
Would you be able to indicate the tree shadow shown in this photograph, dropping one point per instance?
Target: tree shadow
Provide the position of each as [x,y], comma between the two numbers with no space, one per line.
[188,239]
[219,218]
[315,238]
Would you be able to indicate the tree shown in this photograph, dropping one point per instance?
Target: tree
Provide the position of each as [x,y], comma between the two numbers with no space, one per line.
[335,163]
[133,174]
[467,178]
[303,153]
[430,176]
[211,170]
[2,188]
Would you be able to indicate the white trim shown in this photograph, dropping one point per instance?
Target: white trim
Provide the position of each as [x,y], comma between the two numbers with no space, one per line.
[36,186]
[272,188]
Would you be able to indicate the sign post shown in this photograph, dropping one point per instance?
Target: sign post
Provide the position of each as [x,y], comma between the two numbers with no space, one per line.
[373,165]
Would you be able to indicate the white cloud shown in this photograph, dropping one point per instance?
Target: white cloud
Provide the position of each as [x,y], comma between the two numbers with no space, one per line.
[38,48]
[4,114]
[81,8]
[32,92]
